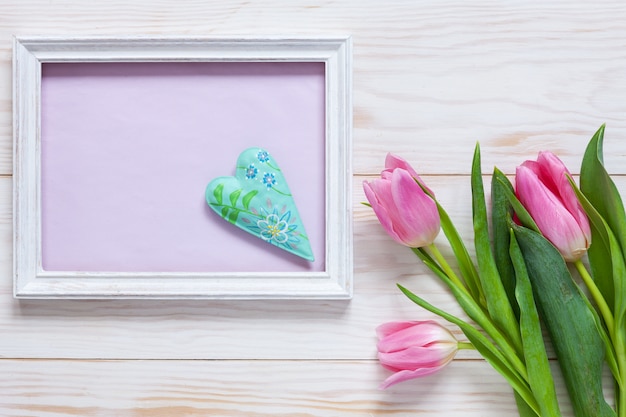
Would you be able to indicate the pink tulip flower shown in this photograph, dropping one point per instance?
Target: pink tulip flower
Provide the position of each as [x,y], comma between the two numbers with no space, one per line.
[394,161]
[412,349]
[405,211]
[543,188]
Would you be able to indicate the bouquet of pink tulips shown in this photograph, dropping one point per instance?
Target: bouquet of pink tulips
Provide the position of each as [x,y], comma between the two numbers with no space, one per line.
[519,278]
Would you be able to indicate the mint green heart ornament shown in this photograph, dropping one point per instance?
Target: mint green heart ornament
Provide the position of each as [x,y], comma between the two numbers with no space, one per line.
[257,200]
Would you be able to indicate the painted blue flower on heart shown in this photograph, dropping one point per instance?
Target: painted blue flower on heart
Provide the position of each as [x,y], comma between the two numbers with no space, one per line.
[251,172]
[263,156]
[269,180]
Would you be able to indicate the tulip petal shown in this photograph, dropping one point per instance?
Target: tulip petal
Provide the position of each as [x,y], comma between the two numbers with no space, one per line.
[418,334]
[418,356]
[378,192]
[391,327]
[405,375]
[551,165]
[559,173]
[417,213]
[554,175]
[394,161]
[556,223]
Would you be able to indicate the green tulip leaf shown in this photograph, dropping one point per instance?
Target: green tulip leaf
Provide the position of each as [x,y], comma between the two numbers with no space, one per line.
[608,231]
[520,211]
[501,213]
[427,259]
[569,321]
[496,296]
[535,356]
[597,185]
[609,277]
[605,209]
[523,409]
[610,268]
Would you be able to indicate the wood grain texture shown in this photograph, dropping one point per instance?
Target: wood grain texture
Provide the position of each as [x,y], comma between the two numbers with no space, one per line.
[430,79]
[513,75]
[244,388]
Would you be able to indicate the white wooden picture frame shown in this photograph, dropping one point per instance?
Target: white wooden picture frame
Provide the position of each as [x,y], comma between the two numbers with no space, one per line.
[31,281]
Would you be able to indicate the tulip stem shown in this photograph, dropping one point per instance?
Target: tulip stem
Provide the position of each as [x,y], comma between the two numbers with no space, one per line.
[466,345]
[605,311]
[621,385]
[446,267]
[614,334]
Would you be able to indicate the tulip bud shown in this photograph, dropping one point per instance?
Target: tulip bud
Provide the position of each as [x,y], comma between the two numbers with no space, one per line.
[413,349]
[394,161]
[405,211]
[543,188]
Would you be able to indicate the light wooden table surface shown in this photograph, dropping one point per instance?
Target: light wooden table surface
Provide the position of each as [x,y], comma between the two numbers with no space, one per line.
[430,79]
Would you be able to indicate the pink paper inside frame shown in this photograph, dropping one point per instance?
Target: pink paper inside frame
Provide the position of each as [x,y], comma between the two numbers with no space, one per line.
[127,150]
